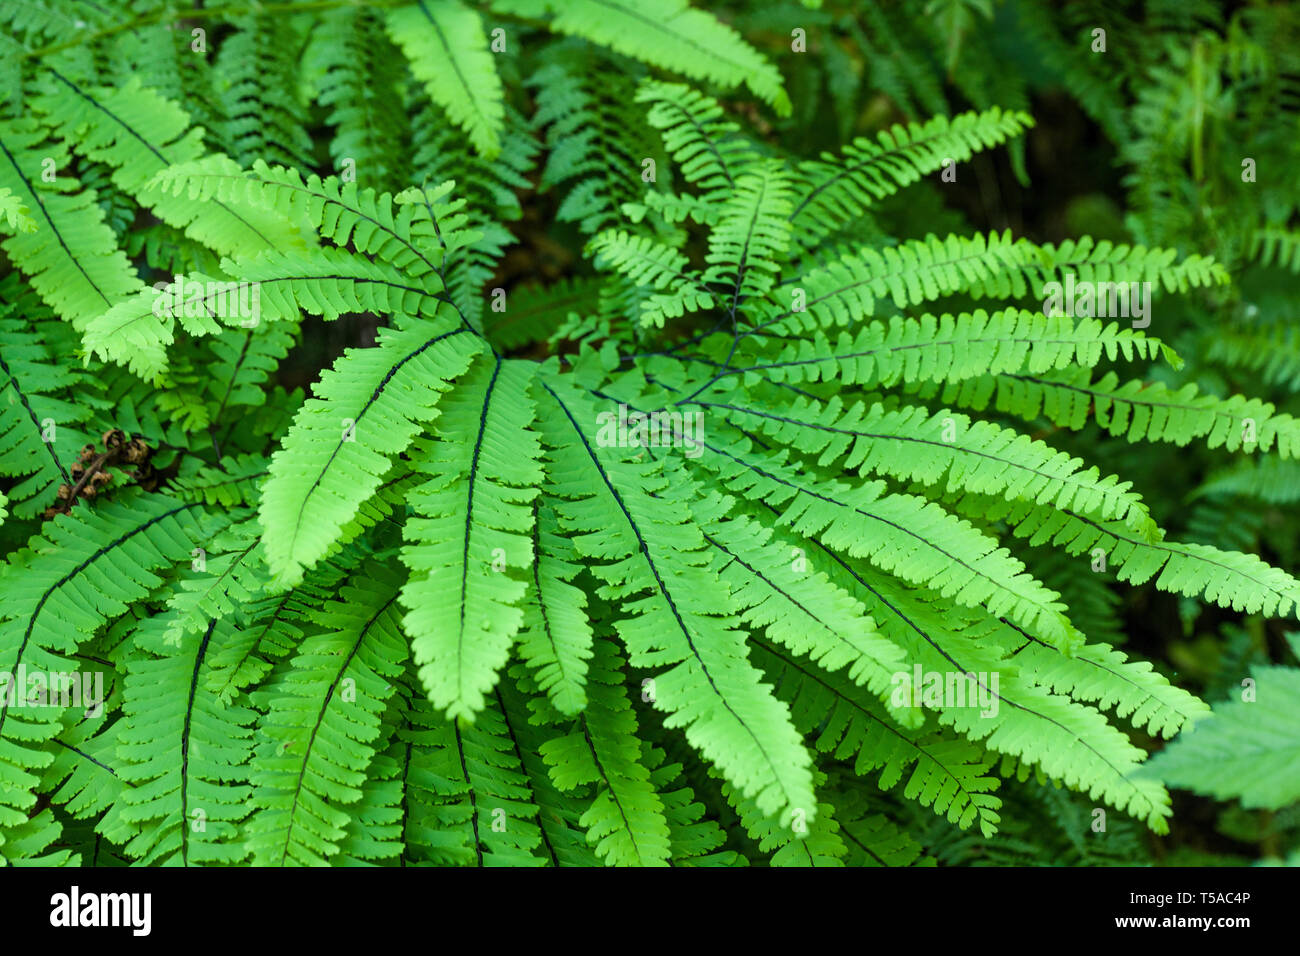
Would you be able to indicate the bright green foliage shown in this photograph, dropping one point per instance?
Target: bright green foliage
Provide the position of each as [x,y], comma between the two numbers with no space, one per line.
[71,581]
[325,469]
[186,814]
[680,615]
[556,637]
[77,285]
[448,50]
[464,604]
[139,133]
[617,470]
[33,400]
[673,35]
[323,725]
[15,213]
[837,191]
[626,820]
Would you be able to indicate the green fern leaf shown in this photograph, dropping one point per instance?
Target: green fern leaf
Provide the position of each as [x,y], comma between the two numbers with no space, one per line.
[1248,748]
[448,52]
[368,409]
[323,724]
[471,536]
[672,35]
[80,285]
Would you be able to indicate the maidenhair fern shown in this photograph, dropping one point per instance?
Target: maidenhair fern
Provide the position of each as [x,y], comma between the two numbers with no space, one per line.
[743,527]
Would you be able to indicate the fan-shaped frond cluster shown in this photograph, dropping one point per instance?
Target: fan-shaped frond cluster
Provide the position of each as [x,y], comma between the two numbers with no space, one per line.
[729,548]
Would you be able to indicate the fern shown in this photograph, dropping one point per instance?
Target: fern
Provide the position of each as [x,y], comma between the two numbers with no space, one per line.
[463,603]
[1247,749]
[76,285]
[66,590]
[624,460]
[673,35]
[322,726]
[448,50]
[315,484]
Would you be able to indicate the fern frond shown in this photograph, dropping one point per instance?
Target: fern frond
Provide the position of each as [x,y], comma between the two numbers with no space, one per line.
[139,134]
[368,408]
[1231,579]
[806,613]
[184,754]
[88,567]
[1136,410]
[1276,247]
[470,539]
[695,839]
[535,311]
[17,217]
[1271,353]
[593,135]
[401,230]
[1248,748]
[82,779]
[563,839]
[706,146]
[243,361]
[873,839]
[220,582]
[474,236]
[949,775]
[232,484]
[322,726]
[750,235]
[373,834]
[625,821]
[675,36]
[652,265]
[686,622]
[271,287]
[902,534]
[272,627]
[77,285]
[977,456]
[448,51]
[1099,674]
[39,426]
[838,189]
[803,843]
[361,74]
[1070,741]
[1274,480]
[555,638]
[468,799]
[950,348]
[259,93]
